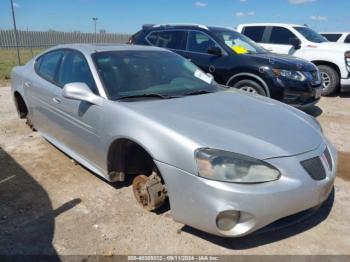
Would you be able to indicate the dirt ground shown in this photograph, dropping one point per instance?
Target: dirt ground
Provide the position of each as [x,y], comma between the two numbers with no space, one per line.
[50,205]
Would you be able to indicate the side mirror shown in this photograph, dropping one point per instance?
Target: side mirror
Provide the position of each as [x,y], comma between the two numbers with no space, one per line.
[214,51]
[295,42]
[81,92]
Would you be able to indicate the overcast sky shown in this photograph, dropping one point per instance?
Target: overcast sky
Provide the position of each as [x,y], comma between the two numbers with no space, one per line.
[127,16]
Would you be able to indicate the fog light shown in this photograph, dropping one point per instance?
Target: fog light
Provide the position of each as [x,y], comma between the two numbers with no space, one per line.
[226,220]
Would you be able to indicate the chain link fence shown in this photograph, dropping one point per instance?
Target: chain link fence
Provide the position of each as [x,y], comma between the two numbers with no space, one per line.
[31,43]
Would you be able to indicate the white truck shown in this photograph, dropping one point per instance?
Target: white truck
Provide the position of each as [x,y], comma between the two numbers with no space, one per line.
[333,59]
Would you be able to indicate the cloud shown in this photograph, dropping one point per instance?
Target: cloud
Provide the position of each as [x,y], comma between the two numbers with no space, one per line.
[243,1]
[300,2]
[200,4]
[16,5]
[242,14]
[318,18]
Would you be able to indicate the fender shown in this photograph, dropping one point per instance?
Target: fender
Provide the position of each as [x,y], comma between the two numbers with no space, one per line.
[260,80]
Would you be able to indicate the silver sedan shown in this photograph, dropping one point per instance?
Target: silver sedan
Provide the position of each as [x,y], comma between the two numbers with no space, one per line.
[230,163]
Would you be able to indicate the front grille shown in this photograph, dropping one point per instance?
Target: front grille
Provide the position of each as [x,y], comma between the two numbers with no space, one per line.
[314,168]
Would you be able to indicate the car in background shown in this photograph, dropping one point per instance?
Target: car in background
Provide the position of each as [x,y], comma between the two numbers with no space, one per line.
[333,60]
[337,37]
[229,162]
[236,61]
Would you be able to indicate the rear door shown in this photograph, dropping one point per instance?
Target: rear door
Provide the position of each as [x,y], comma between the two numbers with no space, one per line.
[278,40]
[175,40]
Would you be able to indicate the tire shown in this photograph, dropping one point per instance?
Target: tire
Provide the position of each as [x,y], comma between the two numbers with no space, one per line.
[330,80]
[250,86]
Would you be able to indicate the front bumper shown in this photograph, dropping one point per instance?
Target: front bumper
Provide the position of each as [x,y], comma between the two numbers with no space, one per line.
[297,94]
[196,201]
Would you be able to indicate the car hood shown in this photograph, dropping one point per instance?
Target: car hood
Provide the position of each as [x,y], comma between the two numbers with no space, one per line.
[335,47]
[286,62]
[230,120]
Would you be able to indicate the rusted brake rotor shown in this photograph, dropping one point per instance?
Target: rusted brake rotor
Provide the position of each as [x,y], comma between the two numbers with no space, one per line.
[149,192]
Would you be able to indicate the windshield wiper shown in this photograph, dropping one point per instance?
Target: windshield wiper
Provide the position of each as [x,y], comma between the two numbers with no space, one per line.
[198,92]
[146,95]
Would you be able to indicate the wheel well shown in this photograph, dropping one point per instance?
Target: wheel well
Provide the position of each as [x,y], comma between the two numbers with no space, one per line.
[125,155]
[20,105]
[233,80]
[330,64]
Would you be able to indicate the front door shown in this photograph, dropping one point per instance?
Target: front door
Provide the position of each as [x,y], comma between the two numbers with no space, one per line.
[197,53]
[80,120]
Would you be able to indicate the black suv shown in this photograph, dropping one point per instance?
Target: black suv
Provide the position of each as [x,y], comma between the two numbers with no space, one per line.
[236,61]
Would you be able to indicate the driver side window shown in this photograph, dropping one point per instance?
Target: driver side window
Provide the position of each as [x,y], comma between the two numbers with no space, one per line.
[200,43]
[75,68]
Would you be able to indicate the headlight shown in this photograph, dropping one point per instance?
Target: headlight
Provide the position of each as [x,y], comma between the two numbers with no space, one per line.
[293,75]
[235,168]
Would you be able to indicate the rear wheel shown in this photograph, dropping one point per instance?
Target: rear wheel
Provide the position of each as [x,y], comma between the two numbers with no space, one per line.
[330,80]
[250,86]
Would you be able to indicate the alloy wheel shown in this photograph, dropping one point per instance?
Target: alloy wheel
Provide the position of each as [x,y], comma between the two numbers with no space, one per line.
[326,79]
[249,89]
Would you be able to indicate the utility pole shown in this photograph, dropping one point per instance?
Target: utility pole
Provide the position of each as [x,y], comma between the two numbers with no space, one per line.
[15,31]
[95,24]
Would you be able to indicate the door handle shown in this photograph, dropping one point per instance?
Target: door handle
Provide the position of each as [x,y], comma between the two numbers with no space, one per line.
[27,84]
[56,100]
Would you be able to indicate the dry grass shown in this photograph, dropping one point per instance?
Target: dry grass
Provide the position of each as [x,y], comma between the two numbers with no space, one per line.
[8,59]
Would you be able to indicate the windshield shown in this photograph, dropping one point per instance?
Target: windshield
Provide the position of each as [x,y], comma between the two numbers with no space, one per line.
[311,35]
[156,74]
[239,43]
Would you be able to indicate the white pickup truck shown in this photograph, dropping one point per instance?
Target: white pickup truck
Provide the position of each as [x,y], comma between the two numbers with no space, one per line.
[333,59]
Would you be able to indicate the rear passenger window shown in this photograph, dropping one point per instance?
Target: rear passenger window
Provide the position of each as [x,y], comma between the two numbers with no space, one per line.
[332,37]
[48,64]
[200,43]
[280,35]
[169,39]
[347,39]
[255,33]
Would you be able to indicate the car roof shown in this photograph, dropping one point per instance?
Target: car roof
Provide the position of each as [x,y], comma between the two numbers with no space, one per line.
[184,26]
[95,48]
[270,24]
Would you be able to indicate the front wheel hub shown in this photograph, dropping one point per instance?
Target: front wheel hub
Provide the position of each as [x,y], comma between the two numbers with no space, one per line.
[149,192]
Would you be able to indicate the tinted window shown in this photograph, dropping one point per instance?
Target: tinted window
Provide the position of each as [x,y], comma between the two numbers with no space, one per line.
[199,42]
[347,39]
[130,73]
[332,37]
[48,64]
[255,33]
[169,39]
[75,69]
[311,35]
[280,35]
[239,43]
